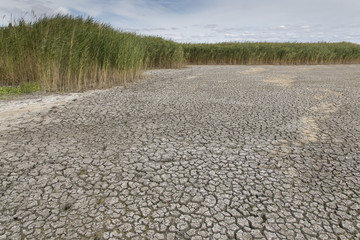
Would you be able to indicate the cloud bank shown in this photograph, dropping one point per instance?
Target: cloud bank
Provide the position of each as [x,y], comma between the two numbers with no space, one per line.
[209,20]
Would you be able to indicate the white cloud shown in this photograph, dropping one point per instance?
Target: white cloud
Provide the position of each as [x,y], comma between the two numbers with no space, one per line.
[211,20]
[62,10]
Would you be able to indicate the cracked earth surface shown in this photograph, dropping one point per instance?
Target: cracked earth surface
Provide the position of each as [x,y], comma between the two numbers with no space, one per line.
[205,152]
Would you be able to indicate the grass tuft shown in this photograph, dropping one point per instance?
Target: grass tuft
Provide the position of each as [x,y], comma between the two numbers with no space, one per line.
[24,88]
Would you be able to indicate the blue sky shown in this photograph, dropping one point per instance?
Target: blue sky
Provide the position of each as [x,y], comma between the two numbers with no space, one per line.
[210,21]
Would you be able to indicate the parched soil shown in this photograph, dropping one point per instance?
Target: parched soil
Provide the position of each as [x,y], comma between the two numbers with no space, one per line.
[204,152]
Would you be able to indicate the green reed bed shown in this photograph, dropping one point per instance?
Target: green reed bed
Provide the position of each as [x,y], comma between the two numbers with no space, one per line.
[161,53]
[67,53]
[74,53]
[272,53]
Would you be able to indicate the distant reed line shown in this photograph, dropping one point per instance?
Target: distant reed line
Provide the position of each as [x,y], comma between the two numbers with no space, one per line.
[74,53]
[272,53]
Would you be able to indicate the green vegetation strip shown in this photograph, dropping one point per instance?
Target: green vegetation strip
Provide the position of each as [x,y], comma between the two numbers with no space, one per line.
[68,53]
[273,53]
[24,88]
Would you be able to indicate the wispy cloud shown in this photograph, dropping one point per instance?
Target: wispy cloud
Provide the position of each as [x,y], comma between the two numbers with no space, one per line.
[210,20]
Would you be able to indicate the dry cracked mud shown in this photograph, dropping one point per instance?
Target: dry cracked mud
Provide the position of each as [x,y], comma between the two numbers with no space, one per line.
[204,152]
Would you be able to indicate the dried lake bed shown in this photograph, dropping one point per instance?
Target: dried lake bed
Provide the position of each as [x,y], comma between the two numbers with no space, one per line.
[204,152]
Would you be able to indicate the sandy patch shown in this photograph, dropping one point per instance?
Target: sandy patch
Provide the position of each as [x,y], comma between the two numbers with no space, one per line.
[319,97]
[324,93]
[305,68]
[253,70]
[309,129]
[281,81]
[325,107]
[15,112]
[330,92]
[193,87]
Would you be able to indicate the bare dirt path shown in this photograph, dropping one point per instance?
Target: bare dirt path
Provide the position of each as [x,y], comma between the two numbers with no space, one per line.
[205,152]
